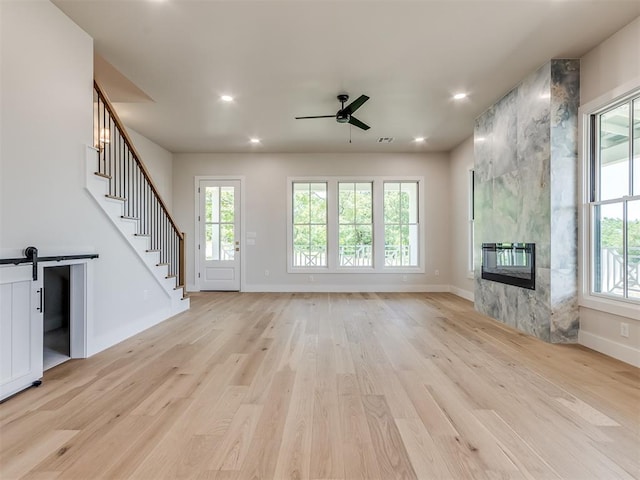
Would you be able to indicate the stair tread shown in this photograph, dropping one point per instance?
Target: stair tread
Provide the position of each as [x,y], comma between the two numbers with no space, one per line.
[142,234]
[103,175]
[152,250]
[161,264]
[114,197]
[170,276]
[129,218]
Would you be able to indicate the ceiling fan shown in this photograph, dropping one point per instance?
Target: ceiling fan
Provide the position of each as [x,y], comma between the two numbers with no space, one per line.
[345,114]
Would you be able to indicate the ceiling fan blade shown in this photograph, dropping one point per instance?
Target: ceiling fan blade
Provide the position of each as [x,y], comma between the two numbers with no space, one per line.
[357,123]
[317,116]
[356,104]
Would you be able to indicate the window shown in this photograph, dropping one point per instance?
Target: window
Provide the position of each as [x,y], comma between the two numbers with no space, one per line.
[470,225]
[401,224]
[309,224]
[355,225]
[615,200]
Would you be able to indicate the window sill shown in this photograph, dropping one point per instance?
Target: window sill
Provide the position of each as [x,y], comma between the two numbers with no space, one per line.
[367,270]
[609,305]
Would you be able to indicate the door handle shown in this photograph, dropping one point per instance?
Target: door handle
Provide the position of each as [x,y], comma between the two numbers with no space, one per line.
[40,291]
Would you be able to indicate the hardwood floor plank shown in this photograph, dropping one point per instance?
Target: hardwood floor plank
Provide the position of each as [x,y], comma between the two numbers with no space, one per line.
[391,454]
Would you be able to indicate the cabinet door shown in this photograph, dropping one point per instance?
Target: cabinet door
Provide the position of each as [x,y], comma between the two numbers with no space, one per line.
[21,330]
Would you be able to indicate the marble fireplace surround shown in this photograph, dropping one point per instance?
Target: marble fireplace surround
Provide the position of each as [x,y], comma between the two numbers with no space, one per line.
[526,171]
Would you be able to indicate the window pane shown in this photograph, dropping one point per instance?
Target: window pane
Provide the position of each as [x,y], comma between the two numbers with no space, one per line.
[318,245]
[636,146]
[300,245]
[391,202]
[609,253]
[411,192]
[364,203]
[318,203]
[392,245]
[212,204]
[212,242]
[633,248]
[300,203]
[355,243]
[614,153]
[346,203]
[412,246]
[226,204]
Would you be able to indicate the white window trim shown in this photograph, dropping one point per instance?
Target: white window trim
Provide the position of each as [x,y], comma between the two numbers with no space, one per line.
[470,223]
[378,225]
[601,302]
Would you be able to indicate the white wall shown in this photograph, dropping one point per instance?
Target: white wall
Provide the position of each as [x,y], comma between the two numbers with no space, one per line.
[46,97]
[614,65]
[461,161]
[266,194]
[158,161]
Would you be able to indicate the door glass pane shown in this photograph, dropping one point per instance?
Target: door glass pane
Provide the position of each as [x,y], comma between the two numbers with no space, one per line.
[227,246]
[212,204]
[633,248]
[614,153]
[636,146]
[609,254]
[227,204]
[212,242]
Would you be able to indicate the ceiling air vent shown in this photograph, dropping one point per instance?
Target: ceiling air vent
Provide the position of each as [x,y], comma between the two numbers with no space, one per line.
[385,140]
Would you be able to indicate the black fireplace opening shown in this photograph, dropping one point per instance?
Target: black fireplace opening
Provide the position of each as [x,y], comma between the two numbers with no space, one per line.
[510,263]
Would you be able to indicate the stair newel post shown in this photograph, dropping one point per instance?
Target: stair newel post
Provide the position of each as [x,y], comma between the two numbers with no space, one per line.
[182,260]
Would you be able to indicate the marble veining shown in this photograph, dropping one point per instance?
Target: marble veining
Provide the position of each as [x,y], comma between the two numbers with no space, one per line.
[526,185]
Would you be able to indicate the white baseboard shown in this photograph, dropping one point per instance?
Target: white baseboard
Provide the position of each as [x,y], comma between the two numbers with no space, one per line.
[383,288]
[621,352]
[99,344]
[467,295]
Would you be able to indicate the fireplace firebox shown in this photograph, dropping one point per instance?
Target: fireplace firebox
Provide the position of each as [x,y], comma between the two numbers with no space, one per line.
[510,263]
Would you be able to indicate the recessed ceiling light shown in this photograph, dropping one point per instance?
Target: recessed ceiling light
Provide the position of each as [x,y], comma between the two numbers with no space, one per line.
[459,96]
[419,139]
[480,139]
[226,98]
[254,140]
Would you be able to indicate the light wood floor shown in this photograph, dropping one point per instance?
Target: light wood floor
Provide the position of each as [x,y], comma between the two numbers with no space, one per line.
[328,386]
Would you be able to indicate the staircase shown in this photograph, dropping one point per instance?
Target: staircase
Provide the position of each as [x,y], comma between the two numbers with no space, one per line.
[121,184]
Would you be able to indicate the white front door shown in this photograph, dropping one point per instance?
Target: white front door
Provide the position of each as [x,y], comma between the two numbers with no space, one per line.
[219,225]
[21,329]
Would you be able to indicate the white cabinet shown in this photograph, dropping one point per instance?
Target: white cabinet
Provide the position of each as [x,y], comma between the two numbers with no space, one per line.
[21,305]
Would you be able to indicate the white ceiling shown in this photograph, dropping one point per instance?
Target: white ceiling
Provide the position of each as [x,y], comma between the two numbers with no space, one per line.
[282,59]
